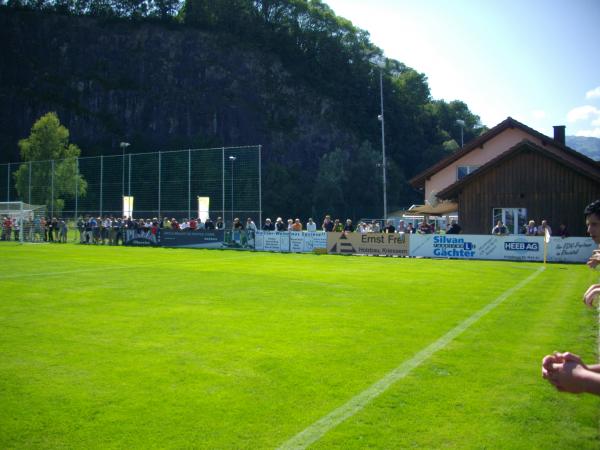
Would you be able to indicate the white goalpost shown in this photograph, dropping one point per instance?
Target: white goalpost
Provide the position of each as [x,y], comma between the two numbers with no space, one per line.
[22,222]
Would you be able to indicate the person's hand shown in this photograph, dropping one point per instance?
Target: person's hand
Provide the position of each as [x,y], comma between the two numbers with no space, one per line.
[594,259]
[591,294]
[550,363]
[568,376]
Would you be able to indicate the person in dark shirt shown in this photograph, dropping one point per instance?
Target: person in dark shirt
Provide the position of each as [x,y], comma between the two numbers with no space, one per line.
[327,224]
[269,226]
[499,229]
[424,228]
[209,224]
[349,227]
[237,225]
[220,225]
[389,228]
[563,232]
[454,228]
[280,225]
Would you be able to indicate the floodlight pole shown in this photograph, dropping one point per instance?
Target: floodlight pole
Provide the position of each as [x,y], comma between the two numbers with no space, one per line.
[232,159]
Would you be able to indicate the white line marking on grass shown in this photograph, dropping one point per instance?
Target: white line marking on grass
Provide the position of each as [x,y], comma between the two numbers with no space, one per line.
[318,429]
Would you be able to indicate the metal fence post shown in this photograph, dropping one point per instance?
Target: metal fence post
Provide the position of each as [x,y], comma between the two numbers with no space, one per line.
[189,183]
[129,177]
[29,183]
[52,189]
[159,181]
[76,185]
[259,186]
[223,180]
[8,184]
[101,183]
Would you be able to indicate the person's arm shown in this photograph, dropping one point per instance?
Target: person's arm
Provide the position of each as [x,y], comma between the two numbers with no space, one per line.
[568,373]
[591,294]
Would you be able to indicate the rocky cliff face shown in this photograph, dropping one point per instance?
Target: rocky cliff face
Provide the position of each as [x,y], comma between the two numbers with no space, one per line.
[157,87]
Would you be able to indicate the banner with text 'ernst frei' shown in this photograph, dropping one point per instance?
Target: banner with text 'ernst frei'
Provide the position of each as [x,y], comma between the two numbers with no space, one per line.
[379,244]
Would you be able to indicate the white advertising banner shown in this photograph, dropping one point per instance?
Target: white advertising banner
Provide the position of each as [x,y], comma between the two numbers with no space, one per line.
[314,240]
[290,241]
[128,206]
[203,208]
[512,248]
[570,249]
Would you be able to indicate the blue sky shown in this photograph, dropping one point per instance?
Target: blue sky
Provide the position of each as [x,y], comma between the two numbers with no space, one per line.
[535,60]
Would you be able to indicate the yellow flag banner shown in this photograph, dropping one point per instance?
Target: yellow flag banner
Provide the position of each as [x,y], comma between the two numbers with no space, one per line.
[377,244]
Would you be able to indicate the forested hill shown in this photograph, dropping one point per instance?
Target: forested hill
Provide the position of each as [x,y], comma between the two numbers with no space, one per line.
[289,75]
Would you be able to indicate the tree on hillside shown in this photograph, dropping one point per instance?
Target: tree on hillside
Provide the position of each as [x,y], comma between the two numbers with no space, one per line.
[49,173]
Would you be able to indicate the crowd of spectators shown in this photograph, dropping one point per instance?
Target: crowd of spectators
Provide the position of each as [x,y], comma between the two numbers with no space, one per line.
[531,229]
[115,230]
[38,229]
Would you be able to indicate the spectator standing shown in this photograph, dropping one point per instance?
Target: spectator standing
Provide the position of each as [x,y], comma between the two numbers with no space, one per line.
[209,224]
[531,229]
[410,229]
[424,228]
[63,230]
[499,229]
[250,225]
[269,226]
[311,225]
[563,232]
[389,228]
[327,224]
[16,228]
[237,225]
[297,225]
[455,228]
[375,227]
[543,228]
[280,225]
[349,227]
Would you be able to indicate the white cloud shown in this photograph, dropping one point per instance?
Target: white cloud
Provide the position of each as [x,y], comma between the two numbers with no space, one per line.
[596,123]
[594,93]
[538,114]
[589,133]
[583,113]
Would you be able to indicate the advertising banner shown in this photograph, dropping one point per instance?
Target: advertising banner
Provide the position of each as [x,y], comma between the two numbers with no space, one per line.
[203,208]
[192,239]
[290,241]
[240,240]
[314,240]
[140,238]
[380,244]
[127,206]
[512,248]
[570,249]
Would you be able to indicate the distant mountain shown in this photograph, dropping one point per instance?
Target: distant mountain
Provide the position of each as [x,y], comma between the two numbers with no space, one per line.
[589,146]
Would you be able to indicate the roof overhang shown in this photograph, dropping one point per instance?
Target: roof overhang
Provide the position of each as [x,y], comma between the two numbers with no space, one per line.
[441,209]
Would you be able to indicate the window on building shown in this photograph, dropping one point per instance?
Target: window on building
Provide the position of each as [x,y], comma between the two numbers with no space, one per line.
[463,171]
[513,218]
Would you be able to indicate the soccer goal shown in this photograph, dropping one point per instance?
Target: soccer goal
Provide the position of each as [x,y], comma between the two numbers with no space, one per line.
[22,222]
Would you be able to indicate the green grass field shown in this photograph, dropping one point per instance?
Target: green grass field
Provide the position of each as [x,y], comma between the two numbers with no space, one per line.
[112,347]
